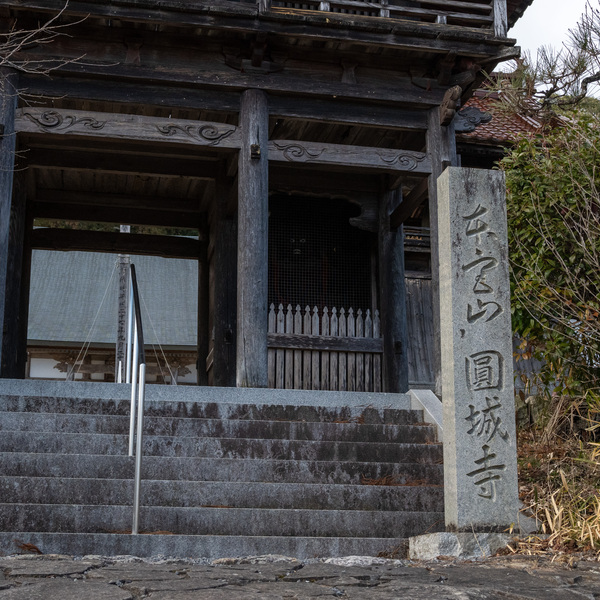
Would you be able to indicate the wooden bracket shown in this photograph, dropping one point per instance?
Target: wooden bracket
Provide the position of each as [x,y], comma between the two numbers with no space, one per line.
[449,104]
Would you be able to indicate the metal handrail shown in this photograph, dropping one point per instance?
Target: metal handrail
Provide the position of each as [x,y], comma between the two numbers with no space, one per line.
[136,375]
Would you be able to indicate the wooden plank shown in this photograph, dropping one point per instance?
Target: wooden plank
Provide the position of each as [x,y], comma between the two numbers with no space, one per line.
[325,332]
[289,354]
[377,375]
[297,353]
[123,163]
[103,214]
[338,111]
[368,355]
[315,355]
[351,357]
[334,375]
[280,354]
[151,203]
[343,356]
[360,357]
[171,97]
[128,127]
[378,159]
[253,214]
[100,241]
[271,353]
[306,355]
[332,344]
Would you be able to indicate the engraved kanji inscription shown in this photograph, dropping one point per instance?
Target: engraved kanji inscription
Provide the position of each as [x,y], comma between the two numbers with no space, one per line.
[488,474]
[476,225]
[484,371]
[485,422]
[485,310]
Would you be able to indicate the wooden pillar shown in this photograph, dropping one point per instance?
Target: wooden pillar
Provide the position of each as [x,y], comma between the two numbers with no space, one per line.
[441,147]
[203,300]
[393,299]
[12,236]
[253,216]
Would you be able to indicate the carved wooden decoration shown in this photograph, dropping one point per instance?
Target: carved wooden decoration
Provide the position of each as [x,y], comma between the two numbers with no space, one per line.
[352,156]
[448,106]
[128,127]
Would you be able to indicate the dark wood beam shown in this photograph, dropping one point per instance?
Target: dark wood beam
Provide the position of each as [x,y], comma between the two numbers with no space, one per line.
[408,204]
[355,157]
[115,243]
[112,163]
[117,201]
[171,97]
[330,110]
[117,126]
[301,178]
[124,216]
[338,111]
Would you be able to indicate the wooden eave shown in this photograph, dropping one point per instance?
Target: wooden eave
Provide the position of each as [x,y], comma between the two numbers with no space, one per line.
[221,15]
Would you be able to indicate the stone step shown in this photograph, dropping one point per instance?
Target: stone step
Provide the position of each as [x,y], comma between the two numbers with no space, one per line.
[212,410]
[210,428]
[52,490]
[15,464]
[78,443]
[207,521]
[194,546]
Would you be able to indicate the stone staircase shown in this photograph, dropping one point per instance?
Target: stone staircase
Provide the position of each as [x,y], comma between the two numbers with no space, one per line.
[226,472]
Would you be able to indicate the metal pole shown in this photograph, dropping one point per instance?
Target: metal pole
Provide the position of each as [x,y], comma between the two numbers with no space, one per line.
[133,389]
[138,451]
[129,330]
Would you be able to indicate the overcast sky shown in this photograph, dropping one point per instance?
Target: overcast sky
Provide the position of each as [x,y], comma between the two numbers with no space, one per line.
[546,22]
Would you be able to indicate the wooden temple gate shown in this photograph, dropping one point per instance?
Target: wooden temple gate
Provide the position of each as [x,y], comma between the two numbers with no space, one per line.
[191,116]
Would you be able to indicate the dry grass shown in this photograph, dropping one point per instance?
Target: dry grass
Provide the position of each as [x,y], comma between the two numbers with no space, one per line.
[560,483]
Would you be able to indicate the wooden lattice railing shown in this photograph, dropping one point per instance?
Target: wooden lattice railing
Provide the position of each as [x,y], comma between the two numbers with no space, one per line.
[330,350]
[483,14]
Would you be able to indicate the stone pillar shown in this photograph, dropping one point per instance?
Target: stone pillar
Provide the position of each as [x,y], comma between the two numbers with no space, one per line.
[252,251]
[480,459]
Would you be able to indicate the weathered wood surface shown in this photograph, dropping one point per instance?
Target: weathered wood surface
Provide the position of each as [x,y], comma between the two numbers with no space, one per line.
[100,241]
[441,146]
[349,156]
[454,12]
[420,349]
[327,350]
[203,338]
[105,214]
[88,161]
[500,18]
[12,224]
[127,127]
[253,215]
[215,135]
[240,16]
[393,299]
